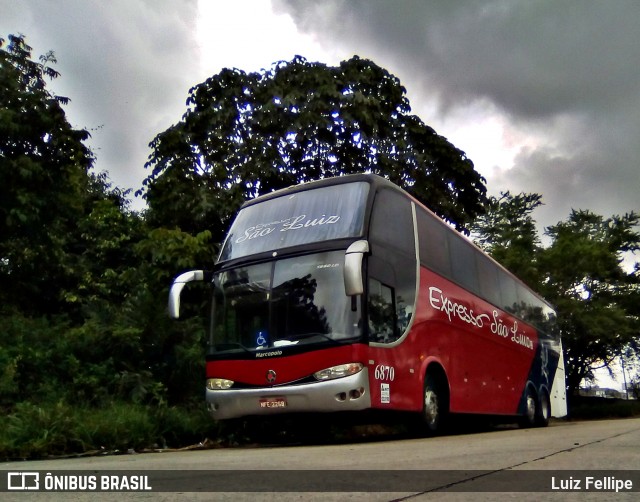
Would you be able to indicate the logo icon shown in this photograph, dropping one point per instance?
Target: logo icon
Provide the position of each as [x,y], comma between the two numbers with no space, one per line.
[23,481]
[271,377]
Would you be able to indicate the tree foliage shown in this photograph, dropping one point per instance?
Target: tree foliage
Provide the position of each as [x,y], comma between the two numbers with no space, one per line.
[507,231]
[246,134]
[43,177]
[83,280]
[598,299]
[581,272]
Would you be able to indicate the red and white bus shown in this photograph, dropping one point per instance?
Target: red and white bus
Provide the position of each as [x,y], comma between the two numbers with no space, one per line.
[348,294]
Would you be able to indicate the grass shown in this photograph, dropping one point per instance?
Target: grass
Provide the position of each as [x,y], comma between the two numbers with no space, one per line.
[589,408]
[34,431]
[47,430]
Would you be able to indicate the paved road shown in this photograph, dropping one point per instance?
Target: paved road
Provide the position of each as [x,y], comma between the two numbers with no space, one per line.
[475,461]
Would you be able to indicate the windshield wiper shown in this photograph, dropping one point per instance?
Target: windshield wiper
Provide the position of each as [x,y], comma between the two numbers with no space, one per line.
[303,336]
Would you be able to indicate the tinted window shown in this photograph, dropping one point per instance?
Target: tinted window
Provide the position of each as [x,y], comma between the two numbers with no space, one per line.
[463,263]
[488,279]
[298,218]
[449,255]
[392,221]
[509,292]
[532,309]
[382,315]
[283,303]
[434,246]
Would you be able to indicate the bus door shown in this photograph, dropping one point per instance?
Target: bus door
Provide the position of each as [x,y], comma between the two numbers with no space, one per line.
[391,295]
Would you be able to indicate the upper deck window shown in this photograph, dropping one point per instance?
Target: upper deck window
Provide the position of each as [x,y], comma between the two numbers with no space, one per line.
[326,213]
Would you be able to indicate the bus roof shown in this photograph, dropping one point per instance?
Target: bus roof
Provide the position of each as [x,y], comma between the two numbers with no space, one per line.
[370,178]
[377,181]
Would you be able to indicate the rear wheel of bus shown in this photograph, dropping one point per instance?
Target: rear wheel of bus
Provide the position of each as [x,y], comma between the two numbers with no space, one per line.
[544,410]
[528,419]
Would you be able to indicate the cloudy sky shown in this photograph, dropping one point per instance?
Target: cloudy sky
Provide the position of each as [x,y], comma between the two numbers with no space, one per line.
[543,95]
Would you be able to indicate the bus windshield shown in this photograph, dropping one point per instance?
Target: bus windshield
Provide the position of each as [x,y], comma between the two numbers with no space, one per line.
[288,302]
[304,217]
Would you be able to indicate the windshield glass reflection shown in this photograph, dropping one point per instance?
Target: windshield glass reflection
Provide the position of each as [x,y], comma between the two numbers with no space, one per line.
[289,302]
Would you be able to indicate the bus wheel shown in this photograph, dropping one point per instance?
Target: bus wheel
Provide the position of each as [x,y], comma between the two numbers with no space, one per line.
[434,405]
[544,410]
[530,410]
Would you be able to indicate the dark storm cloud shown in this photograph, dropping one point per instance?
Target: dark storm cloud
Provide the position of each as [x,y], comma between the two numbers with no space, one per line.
[532,57]
[123,65]
[591,162]
[565,72]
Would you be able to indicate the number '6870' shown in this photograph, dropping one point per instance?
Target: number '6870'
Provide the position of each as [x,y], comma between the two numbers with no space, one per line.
[383,372]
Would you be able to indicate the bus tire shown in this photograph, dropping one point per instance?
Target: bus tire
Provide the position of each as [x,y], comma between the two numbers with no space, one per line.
[528,419]
[434,405]
[544,410]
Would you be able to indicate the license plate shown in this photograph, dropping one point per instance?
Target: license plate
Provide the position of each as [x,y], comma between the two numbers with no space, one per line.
[273,402]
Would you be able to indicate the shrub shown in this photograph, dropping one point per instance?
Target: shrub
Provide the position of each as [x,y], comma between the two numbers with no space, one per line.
[39,431]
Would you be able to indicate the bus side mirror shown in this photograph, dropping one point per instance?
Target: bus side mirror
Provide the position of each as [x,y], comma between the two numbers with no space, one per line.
[176,288]
[353,280]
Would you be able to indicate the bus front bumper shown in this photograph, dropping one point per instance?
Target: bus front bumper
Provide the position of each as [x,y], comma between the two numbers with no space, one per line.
[349,393]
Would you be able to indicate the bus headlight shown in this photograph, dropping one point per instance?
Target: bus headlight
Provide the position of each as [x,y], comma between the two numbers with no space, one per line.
[218,383]
[339,371]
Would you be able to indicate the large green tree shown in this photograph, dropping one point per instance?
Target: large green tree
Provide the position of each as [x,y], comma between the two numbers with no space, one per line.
[246,134]
[83,280]
[582,272]
[44,178]
[597,298]
[507,231]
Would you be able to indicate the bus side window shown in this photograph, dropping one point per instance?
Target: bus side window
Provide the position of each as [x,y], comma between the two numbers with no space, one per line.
[434,245]
[509,292]
[489,284]
[382,315]
[463,263]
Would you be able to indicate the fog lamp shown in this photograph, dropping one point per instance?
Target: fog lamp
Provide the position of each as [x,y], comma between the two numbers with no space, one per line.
[218,383]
